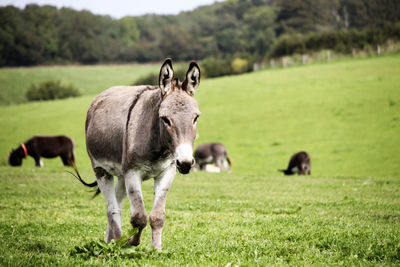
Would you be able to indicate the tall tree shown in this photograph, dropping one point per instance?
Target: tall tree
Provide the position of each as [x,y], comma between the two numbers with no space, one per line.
[365,13]
[259,29]
[303,16]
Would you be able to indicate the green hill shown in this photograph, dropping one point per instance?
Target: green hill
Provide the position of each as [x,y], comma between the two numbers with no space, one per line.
[345,114]
[14,82]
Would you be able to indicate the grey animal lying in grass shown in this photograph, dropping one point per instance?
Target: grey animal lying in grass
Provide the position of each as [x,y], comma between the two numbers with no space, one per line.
[299,163]
[212,157]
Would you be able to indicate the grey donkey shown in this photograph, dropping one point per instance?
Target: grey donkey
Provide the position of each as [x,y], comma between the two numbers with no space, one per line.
[140,132]
[212,153]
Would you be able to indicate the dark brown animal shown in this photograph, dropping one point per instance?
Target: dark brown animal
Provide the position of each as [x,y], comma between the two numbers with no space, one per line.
[212,153]
[299,163]
[44,146]
[137,133]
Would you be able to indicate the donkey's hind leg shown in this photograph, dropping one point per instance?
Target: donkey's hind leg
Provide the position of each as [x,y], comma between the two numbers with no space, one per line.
[38,161]
[225,164]
[303,169]
[105,182]
[66,160]
[120,191]
[219,161]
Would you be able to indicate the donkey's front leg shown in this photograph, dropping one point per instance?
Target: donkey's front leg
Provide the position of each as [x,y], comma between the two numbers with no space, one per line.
[38,161]
[105,182]
[133,183]
[157,214]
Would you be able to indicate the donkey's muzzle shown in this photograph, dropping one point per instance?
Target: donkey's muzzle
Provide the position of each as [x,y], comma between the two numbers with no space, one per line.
[184,166]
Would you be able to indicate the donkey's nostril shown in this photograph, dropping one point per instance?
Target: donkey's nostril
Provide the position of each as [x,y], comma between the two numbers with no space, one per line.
[192,162]
[183,167]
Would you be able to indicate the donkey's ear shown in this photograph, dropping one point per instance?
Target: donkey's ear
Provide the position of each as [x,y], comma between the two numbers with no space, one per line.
[166,76]
[192,79]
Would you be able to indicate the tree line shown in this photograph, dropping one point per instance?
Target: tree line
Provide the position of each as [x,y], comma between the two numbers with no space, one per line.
[234,29]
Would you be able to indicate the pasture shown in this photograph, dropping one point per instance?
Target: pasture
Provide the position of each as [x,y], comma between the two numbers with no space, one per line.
[345,114]
[89,79]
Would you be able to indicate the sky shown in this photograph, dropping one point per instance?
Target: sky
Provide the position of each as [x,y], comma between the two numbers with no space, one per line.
[119,8]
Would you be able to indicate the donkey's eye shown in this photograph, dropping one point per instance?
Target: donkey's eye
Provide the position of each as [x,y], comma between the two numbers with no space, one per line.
[195,119]
[166,121]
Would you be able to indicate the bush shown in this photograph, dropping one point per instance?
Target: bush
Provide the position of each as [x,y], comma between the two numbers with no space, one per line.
[340,41]
[215,67]
[152,78]
[149,79]
[179,73]
[50,90]
[239,65]
[210,67]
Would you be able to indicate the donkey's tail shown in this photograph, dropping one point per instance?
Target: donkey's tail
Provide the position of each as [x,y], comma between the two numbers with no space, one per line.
[229,160]
[79,178]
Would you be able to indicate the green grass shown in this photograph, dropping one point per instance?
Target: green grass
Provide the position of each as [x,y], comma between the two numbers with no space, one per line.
[346,114]
[14,82]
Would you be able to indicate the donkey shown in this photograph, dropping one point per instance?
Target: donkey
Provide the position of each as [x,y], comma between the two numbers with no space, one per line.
[44,146]
[299,163]
[140,132]
[212,153]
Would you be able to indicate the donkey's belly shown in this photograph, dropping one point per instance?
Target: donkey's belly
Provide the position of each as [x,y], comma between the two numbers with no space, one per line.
[207,160]
[295,169]
[147,170]
[111,167]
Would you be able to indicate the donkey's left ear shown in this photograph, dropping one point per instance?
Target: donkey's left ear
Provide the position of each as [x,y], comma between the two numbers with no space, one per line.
[192,79]
[166,76]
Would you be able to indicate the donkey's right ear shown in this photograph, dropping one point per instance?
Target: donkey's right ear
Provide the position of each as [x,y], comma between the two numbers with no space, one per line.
[166,76]
[192,79]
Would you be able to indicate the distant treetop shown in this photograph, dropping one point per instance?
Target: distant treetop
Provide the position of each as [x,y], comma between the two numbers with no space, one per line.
[47,35]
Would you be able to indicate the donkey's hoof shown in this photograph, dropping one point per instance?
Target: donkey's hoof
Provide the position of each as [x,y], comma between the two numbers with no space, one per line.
[134,240]
[157,247]
[117,234]
[113,236]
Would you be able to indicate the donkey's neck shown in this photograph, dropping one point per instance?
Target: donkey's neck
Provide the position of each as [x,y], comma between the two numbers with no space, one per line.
[143,142]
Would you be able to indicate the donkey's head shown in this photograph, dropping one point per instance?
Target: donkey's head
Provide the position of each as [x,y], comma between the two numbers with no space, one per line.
[15,157]
[178,113]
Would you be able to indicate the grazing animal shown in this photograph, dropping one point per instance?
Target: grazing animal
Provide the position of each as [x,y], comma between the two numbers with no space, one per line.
[299,163]
[208,168]
[140,132]
[44,146]
[212,153]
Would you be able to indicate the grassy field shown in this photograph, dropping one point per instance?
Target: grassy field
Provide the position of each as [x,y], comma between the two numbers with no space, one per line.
[89,79]
[346,114]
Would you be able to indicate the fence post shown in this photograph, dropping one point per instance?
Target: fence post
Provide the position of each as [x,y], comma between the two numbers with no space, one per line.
[272,63]
[283,62]
[304,59]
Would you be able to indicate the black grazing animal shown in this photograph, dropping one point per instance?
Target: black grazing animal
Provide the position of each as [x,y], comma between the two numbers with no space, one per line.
[299,163]
[212,153]
[44,146]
